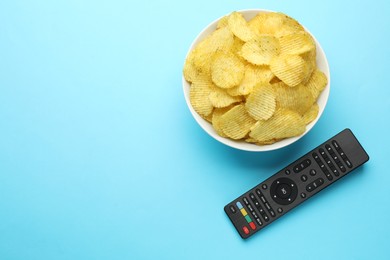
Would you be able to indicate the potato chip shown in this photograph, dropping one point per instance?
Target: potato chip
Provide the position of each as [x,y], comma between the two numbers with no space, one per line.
[227,70]
[317,83]
[298,99]
[220,98]
[291,69]
[283,124]
[221,39]
[216,116]
[311,114]
[199,98]
[289,26]
[223,22]
[260,51]
[236,123]
[190,71]
[296,43]
[311,63]
[253,75]
[240,28]
[266,142]
[261,103]
[236,48]
[266,23]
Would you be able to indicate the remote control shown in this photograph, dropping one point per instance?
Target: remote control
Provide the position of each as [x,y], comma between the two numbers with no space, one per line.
[296,183]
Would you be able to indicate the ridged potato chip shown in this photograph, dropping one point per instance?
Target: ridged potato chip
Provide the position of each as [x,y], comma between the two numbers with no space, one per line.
[253,75]
[283,124]
[236,123]
[216,116]
[298,99]
[221,39]
[199,98]
[289,26]
[261,103]
[290,68]
[223,22]
[311,63]
[261,51]
[317,83]
[296,43]
[311,114]
[220,98]
[238,25]
[266,23]
[227,70]
[266,142]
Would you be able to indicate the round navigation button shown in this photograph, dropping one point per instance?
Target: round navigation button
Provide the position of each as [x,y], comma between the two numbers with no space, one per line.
[283,191]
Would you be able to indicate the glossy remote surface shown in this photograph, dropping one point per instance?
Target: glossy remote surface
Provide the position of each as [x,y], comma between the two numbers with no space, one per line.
[296,183]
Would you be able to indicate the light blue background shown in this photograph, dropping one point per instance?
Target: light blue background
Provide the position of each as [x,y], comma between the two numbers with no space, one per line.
[100,157]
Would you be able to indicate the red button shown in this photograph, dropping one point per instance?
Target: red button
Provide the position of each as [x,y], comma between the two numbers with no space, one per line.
[252,225]
[245,229]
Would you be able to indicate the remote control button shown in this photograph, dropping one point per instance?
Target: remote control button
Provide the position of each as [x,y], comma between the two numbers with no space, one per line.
[261,210]
[345,158]
[304,178]
[329,149]
[254,214]
[239,205]
[258,221]
[348,163]
[232,209]
[316,157]
[250,208]
[283,191]
[315,184]
[336,145]
[280,210]
[265,217]
[334,170]
[246,230]
[246,201]
[287,172]
[342,168]
[313,172]
[252,225]
[267,206]
[320,181]
[243,212]
[302,165]
[248,218]
[272,213]
[309,188]
[303,195]
[264,186]
[263,199]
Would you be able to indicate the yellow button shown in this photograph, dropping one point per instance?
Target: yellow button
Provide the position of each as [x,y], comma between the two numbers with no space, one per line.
[243,211]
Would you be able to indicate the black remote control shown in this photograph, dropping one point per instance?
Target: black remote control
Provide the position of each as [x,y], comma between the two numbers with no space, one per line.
[296,183]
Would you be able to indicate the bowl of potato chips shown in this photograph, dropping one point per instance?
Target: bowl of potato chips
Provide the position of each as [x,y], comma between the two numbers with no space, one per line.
[256,80]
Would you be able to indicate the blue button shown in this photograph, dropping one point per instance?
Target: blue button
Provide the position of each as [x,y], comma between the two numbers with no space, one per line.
[239,205]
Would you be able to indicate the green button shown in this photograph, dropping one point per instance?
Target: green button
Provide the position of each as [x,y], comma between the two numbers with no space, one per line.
[248,218]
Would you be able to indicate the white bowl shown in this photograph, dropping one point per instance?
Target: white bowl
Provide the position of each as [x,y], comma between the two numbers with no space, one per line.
[322,64]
